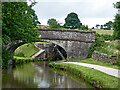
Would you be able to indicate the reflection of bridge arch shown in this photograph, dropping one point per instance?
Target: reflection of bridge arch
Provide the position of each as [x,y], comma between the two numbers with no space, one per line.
[75,42]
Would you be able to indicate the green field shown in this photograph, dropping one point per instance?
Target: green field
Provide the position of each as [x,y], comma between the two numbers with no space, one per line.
[100,31]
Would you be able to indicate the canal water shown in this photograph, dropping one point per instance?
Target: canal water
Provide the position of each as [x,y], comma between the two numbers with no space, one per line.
[38,75]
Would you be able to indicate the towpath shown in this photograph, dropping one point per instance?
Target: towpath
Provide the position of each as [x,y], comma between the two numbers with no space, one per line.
[107,70]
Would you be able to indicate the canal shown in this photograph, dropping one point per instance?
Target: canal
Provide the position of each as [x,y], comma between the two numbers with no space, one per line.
[38,75]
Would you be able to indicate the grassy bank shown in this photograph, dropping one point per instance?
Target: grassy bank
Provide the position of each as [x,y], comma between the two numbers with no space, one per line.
[95,78]
[21,60]
[100,31]
[27,50]
[92,61]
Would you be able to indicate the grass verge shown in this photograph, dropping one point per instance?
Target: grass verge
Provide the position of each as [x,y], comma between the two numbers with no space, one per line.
[94,77]
[21,60]
[26,50]
[92,61]
[43,43]
[107,32]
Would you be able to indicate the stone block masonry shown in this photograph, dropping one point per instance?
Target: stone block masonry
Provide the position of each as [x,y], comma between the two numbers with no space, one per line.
[48,51]
[110,59]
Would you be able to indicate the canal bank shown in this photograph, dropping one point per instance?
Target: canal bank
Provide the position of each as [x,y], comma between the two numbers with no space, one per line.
[96,78]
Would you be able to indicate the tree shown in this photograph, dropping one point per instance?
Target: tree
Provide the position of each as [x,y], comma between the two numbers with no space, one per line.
[116,23]
[72,21]
[97,25]
[117,5]
[18,23]
[53,23]
[109,25]
[101,26]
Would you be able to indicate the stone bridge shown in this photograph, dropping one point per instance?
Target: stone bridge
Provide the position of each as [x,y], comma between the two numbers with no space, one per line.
[76,43]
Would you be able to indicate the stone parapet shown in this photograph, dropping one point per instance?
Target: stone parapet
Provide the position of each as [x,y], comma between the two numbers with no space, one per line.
[110,59]
[68,35]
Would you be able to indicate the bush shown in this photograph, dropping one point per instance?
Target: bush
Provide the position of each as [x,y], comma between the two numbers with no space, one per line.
[99,42]
[5,58]
[107,37]
[116,26]
[83,27]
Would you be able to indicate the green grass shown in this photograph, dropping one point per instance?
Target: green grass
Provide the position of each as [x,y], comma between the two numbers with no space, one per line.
[94,77]
[100,31]
[92,61]
[27,50]
[43,27]
[43,43]
[16,57]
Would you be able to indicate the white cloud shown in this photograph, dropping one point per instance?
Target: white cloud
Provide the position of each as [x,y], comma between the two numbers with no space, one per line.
[91,22]
[85,1]
[43,21]
[63,0]
[90,12]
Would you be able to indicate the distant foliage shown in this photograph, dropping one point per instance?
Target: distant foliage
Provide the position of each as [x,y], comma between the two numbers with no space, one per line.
[53,23]
[97,25]
[108,25]
[84,27]
[72,21]
[117,5]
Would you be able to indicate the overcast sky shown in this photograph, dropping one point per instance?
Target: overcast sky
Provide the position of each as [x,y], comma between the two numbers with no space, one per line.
[90,12]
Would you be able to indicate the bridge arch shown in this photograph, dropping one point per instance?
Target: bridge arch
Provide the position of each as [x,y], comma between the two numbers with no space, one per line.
[59,45]
[75,42]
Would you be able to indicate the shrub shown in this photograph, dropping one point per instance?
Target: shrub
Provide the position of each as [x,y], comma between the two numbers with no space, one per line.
[107,37]
[5,58]
[116,25]
[99,42]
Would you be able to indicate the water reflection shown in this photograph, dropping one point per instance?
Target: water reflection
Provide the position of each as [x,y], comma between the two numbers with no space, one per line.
[37,75]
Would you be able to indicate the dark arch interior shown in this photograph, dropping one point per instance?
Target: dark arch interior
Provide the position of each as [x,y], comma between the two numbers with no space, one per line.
[60,53]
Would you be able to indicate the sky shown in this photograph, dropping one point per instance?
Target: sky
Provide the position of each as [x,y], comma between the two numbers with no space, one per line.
[90,12]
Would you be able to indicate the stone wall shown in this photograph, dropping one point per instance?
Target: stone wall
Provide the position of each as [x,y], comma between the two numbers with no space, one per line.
[49,51]
[110,59]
